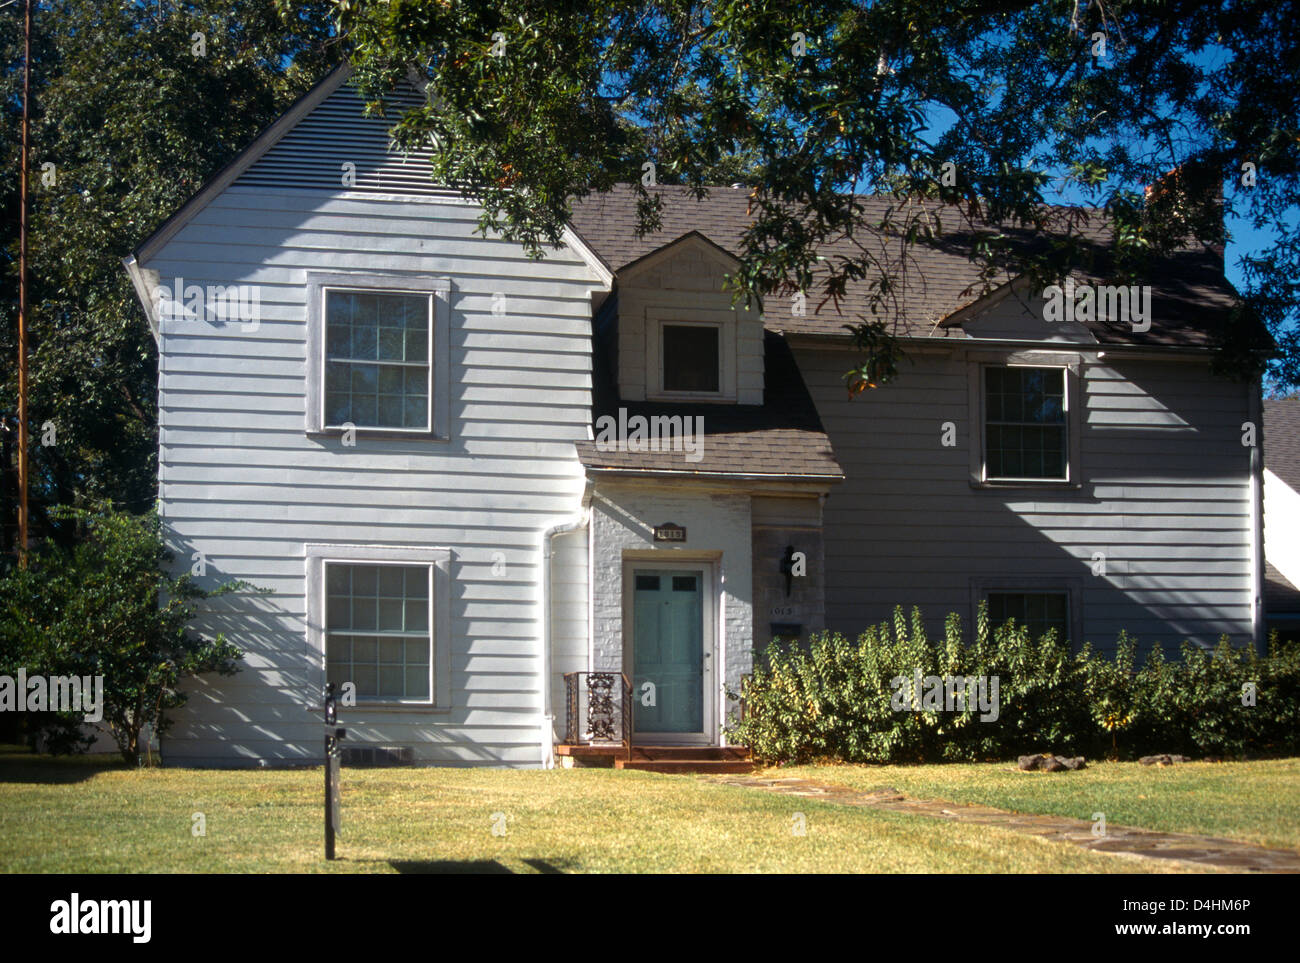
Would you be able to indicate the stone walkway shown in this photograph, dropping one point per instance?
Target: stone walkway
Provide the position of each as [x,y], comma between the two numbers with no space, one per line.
[1224,854]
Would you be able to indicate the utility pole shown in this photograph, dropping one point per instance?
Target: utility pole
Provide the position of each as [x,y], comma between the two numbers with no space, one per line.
[22,296]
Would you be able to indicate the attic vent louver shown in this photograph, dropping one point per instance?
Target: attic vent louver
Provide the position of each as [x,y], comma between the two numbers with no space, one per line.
[337,132]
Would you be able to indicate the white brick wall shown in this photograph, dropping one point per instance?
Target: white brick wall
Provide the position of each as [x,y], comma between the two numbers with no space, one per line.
[623,518]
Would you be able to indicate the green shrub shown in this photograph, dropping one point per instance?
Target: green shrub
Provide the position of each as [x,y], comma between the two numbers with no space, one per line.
[840,700]
[107,608]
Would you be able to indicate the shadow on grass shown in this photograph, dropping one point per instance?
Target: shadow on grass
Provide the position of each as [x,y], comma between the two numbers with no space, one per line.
[448,866]
[20,764]
[453,866]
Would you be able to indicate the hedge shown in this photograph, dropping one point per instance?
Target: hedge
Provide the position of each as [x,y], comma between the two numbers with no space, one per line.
[832,699]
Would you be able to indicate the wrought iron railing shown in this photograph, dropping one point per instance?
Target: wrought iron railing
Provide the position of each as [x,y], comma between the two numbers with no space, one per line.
[598,709]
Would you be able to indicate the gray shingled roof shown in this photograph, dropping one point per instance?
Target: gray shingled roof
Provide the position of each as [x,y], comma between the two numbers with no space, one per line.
[1190,299]
[782,437]
[1279,595]
[1282,458]
[1282,439]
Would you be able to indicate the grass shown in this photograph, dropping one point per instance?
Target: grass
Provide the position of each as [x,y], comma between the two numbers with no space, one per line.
[89,814]
[1255,802]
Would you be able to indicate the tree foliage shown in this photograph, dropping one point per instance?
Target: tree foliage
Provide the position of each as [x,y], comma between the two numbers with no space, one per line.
[106,608]
[534,102]
[129,120]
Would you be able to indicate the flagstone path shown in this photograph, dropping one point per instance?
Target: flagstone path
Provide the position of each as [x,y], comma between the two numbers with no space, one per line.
[1209,851]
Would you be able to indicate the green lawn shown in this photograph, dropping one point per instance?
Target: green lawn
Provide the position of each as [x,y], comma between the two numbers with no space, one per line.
[91,815]
[1256,802]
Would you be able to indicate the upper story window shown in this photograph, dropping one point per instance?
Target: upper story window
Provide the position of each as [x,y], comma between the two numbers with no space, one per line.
[377,355]
[691,357]
[1025,423]
[378,369]
[690,354]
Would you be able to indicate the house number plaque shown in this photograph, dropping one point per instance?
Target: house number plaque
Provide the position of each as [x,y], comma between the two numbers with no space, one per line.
[670,533]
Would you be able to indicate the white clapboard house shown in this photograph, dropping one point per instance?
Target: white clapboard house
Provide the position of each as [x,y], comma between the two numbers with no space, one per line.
[411,434]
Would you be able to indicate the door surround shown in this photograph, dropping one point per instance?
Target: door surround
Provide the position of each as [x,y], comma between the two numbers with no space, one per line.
[712,640]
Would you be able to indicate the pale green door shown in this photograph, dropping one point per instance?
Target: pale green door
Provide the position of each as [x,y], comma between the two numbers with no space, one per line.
[668,650]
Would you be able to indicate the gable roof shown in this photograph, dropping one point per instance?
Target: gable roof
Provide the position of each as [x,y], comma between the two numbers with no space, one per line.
[689,239]
[326,127]
[1191,298]
[243,161]
[1282,439]
[307,146]
[782,438]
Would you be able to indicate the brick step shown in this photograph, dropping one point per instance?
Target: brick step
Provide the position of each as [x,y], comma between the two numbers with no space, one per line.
[701,753]
[682,766]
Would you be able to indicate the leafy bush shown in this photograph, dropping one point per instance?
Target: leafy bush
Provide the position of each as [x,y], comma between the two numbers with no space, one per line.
[107,608]
[841,700]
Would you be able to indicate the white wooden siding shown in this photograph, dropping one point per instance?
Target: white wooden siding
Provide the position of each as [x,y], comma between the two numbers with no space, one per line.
[1165,497]
[241,481]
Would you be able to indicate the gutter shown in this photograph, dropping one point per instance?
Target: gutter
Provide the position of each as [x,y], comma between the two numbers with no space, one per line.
[711,475]
[573,524]
[1114,350]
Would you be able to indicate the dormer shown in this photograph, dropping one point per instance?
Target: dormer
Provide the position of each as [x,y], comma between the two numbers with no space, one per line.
[680,338]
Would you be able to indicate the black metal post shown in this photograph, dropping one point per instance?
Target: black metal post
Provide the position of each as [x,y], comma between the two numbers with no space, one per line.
[332,753]
[329,796]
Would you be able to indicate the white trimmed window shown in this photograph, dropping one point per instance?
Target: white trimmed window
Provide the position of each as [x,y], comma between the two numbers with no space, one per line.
[377,355]
[378,629]
[1025,431]
[379,617]
[1027,409]
[690,354]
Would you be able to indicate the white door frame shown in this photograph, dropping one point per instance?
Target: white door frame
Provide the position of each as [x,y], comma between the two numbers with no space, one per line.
[710,640]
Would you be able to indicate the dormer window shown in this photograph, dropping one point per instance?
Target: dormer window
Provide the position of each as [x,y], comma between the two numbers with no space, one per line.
[691,358]
[690,355]
[681,340]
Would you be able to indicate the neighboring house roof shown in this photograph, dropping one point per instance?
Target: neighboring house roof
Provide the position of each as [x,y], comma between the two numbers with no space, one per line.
[1282,459]
[1282,439]
[1191,299]
[1280,596]
[781,438]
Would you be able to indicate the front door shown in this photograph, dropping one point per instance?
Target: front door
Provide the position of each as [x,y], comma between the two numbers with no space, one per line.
[672,651]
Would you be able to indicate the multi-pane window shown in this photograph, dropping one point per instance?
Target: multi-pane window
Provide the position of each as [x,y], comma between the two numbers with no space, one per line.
[1025,423]
[377,633]
[690,358]
[1036,611]
[377,372]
